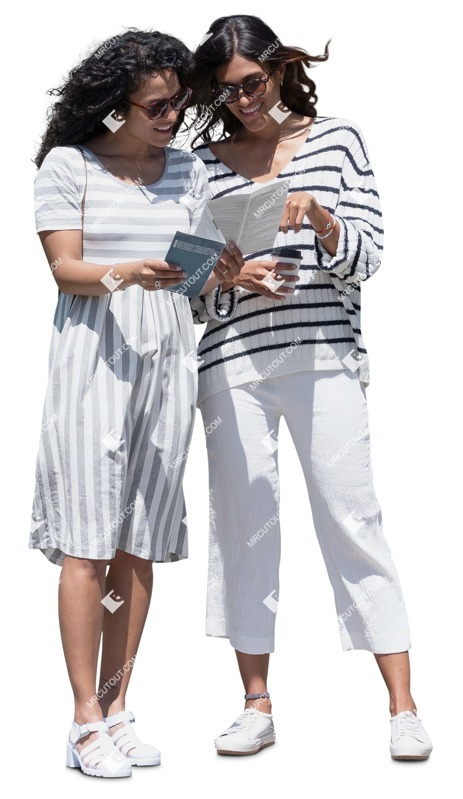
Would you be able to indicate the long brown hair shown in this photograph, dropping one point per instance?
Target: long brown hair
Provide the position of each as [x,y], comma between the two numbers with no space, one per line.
[251,38]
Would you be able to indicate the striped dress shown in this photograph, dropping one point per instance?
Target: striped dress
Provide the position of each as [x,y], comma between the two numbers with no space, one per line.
[248,336]
[122,390]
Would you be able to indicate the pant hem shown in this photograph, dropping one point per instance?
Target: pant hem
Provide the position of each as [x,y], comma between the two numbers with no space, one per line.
[386,646]
[217,628]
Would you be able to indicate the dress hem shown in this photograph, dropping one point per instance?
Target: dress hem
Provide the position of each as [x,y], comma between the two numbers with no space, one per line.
[56,555]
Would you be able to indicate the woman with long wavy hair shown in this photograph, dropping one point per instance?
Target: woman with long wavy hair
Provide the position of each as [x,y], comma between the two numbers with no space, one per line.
[292,351]
[110,193]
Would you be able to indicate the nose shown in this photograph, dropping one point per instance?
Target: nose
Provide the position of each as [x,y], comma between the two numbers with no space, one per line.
[246,97]
[170,114]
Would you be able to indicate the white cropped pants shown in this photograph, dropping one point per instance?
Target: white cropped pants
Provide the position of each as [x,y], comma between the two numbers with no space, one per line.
[326,414]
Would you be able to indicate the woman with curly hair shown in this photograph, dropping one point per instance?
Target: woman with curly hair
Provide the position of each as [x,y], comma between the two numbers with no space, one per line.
[292,351]
[119,408]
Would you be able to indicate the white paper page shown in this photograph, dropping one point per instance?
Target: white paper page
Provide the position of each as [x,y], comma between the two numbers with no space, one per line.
[251,220]
[229,214]
[207,227]
[263,217]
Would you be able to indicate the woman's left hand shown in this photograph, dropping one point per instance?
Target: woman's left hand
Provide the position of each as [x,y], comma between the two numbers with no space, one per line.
[228,266]
[297,206]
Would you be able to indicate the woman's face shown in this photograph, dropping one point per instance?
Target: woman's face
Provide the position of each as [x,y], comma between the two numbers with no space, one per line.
[138,125]
[253,112]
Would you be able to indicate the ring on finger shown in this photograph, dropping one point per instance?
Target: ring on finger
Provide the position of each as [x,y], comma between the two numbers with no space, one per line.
[157,284]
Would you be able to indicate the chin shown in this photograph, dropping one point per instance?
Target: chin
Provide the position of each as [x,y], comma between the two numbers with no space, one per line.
[256,124]
[162,138]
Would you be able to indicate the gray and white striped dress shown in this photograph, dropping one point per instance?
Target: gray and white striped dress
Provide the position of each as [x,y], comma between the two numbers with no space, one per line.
[121,397]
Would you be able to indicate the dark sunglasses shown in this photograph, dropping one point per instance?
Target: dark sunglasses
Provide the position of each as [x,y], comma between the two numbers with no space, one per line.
[230,92]
[159,108]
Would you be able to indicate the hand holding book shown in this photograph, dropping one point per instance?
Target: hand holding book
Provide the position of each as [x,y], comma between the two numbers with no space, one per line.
[249,221]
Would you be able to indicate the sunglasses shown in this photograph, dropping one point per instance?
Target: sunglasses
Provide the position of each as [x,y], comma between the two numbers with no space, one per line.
[230,92]
[159,107]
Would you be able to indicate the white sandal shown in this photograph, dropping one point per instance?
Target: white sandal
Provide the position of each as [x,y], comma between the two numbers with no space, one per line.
[136,752]
[100,758]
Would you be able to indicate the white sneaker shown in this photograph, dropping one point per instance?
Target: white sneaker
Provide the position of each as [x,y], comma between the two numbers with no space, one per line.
[409,739]
[127,742]
[251,731]
[100,758]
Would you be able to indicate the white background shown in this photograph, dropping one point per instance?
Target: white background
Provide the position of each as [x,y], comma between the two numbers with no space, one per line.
[391,70]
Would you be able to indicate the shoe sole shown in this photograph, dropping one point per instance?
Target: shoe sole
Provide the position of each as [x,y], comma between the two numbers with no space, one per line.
[251,752]
[73,760]
[89,772]
[410,757]
[140,762]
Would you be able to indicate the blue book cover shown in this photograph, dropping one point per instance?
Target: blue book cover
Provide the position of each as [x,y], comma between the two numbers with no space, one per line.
[197,256]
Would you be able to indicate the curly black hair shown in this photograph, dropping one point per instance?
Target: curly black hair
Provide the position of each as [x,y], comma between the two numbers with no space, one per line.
[250,37]
[104,80]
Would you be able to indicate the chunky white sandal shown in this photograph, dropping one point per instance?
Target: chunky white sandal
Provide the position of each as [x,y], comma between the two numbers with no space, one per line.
[136,752]
[99,758]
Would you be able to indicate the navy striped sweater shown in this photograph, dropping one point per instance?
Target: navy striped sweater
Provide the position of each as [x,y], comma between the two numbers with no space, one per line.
[249,337]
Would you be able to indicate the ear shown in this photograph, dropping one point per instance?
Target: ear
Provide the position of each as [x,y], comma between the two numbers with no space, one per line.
[281,73]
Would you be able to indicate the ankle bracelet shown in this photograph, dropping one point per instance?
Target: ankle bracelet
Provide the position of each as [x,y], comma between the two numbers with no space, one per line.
[263,695]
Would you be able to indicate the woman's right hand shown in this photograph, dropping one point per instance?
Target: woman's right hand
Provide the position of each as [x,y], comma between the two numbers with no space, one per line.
[146,274]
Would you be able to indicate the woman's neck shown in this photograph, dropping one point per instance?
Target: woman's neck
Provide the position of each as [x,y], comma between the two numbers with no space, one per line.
[272,133]
[126,148]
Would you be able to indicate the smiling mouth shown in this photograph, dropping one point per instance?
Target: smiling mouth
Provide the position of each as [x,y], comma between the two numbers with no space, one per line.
[164,129]
[251,110]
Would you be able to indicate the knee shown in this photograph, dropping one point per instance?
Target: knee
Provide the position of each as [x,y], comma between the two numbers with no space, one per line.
[85,567]
[134,563]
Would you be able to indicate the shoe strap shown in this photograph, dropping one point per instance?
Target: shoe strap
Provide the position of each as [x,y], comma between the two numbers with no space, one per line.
[263,695]
[79,731]
[102,746]
[97,752]
[123,716]
[126,739]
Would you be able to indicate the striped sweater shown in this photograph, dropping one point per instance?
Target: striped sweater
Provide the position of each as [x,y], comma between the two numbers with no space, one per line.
[249,337]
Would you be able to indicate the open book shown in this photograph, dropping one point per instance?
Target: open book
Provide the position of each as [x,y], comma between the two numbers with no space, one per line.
[250,220]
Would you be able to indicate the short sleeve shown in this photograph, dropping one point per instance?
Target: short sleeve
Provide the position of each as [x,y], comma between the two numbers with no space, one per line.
[201,191]
[58,190]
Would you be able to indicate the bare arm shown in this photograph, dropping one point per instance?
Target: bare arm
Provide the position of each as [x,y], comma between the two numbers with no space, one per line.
[63,249]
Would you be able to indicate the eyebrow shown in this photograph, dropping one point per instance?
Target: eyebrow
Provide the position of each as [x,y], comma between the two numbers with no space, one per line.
[158,99]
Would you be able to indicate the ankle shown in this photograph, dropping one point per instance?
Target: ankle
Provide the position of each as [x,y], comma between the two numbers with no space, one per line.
[84,714]
[112,701]
[399,705]
[264,705]
[258,701]
[111,710]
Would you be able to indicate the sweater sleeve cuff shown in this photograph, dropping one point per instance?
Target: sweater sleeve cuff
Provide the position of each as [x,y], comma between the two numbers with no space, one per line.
[356,256]
[221,305]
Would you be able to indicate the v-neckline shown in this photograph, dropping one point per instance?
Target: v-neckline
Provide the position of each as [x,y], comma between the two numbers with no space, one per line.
[281,172]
